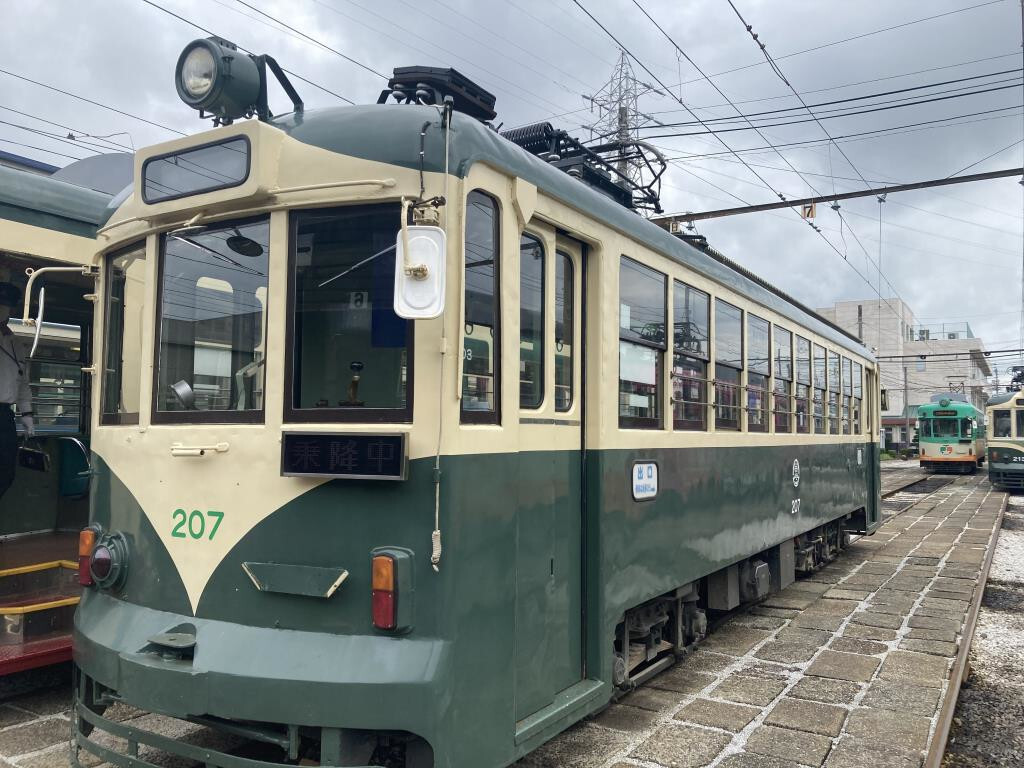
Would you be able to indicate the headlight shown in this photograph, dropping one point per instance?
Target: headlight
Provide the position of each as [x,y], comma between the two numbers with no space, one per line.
[198,72]
[213,76]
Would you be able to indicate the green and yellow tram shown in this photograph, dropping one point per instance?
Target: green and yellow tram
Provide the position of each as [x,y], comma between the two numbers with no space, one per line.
[1005,415]
[420,448]
[951,436]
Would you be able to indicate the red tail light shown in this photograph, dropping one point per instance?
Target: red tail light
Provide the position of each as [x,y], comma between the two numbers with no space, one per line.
[384,593]
[86,541]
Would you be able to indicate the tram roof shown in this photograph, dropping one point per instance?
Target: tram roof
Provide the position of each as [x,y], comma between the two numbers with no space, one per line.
[958,406]
[390,134]
[41,201]
[1005,397]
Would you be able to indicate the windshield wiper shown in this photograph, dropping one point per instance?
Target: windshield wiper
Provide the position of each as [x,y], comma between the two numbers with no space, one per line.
[356,266]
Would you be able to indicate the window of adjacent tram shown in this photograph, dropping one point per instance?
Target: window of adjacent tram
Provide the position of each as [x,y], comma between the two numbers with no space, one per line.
[758,371]
[564,331]
[1019,417]
[350,354]
[531,322]
[691,318]
[803,385]
[1001,424]
[124,298]
[846,394]
[212,329]
[819,389]
[834,389]
[858,395]
[728,364]
[642,320]
[782,357]
[481,336]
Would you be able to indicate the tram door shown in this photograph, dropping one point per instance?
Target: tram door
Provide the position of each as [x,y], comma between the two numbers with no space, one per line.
[549,559]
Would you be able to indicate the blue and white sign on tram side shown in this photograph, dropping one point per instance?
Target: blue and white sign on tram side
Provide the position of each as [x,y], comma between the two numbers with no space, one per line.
[645,480]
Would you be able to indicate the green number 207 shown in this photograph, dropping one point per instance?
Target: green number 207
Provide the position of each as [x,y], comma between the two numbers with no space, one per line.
[195,523]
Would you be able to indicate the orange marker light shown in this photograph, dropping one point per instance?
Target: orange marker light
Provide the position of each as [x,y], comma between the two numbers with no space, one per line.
[383,597]
[383,573]
[86,542]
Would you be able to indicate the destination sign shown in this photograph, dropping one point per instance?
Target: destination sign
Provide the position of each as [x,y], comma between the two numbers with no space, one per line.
[944,413]
[353,456]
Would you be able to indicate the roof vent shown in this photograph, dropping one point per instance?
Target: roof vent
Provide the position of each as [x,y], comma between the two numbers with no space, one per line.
[432,85]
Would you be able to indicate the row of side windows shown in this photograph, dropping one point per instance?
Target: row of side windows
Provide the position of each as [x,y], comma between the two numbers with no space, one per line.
[791,384]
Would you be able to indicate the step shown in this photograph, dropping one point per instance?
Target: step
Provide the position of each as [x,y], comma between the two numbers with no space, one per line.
[37,601]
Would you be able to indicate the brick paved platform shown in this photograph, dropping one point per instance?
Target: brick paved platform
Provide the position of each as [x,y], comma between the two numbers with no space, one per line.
[846,669]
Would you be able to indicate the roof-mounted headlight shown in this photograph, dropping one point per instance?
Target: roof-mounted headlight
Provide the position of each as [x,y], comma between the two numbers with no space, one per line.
[214,76]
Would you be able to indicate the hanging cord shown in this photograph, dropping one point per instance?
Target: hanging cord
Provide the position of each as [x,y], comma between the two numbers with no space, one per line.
[435,537]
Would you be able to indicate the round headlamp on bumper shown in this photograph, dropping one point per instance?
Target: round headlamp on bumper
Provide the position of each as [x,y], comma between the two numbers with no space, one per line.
[213,76]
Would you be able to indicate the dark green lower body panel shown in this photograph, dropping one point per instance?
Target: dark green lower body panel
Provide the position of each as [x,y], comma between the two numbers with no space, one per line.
[543,553]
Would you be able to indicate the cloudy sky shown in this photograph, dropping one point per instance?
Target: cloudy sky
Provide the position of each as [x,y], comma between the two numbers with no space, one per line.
[953,253]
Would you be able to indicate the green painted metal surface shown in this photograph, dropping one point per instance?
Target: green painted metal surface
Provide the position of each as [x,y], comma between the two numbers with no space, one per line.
[291,579]
[458,679]
[40,201]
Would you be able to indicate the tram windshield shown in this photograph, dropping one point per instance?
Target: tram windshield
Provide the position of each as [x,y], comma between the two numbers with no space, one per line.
[947,428]
[213,295]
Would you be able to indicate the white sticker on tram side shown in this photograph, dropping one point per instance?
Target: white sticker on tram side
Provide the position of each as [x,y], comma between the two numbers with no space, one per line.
[645,480]
[860,456]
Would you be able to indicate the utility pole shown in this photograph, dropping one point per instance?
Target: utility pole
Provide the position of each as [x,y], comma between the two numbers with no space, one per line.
[906,406]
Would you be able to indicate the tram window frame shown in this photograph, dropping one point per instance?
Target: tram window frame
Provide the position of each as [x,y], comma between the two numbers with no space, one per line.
[638,345]
[220,416]
[758,373]
[565,292]
[803,373]
[997,434]
[110,417]
[728,376]
[783,383]
[293,413]
[857,402]
[845,396]
[527,241]
[818,401]
[484,415]
[1018,423]
[690,356]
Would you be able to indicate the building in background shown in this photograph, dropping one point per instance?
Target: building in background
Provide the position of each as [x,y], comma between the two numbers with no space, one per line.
[939,358]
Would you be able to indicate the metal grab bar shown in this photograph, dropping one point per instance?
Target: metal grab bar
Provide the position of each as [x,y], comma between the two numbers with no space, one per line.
[193,451]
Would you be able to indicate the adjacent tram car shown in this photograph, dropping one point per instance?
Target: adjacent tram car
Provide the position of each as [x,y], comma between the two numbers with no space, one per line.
[951,436]
[424,448]
[1005,415]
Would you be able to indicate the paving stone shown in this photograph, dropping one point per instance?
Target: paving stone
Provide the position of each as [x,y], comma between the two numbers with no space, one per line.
[805,635]
[752,760]
[33,736]
[718,714]
[785,613]
[862,753]
[621,717]
[902,697]
[12,716]
[918,668]
[843,666]
[804,748]
[940,613]
[762,622]
[942,594]
[934,647]
[681,680]
[652,699]
[703,660]
[945,635]
[828,607]
[818,621]
[736,640]
[814,587]
[856,645]
[786,653]
[581,746]
[790,599]
[825,689]
[760,691]
[907,732]
[47,702]
[872,618]
[949,605]
[811,716]
[682,746]
[840,593]
[882,568]
[934,622]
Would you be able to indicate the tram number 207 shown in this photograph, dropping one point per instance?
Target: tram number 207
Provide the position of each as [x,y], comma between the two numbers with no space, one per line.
[196,524]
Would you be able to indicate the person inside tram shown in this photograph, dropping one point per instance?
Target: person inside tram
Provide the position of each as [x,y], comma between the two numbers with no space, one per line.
[14,388]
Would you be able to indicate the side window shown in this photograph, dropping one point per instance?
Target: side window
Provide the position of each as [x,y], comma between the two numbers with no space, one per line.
[834,388]
[1020,423]
[124,304]
[350,353]
[758,370]
[728,364]
[782,357]
[858,397]
[691,318]
[481,349]
[1001,424]
[819,389]
[531,322]
[846,394]
[642,320]
[565,331]
[803,385]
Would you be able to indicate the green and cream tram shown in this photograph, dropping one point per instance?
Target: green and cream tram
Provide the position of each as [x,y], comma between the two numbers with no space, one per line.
[421,448]
[1005,415]
[951,436]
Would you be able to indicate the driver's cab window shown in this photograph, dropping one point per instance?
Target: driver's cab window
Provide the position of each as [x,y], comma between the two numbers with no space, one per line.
[1001,424]
[349,355]
[212,330]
